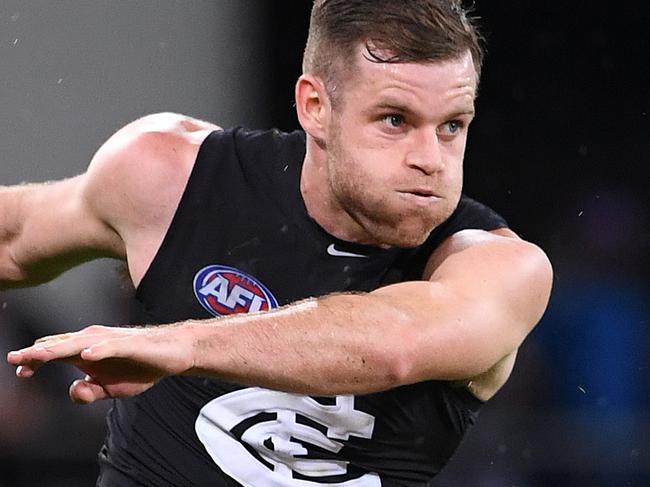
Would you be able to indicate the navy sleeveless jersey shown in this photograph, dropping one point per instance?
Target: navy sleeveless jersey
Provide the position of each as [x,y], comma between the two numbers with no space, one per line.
[241,240]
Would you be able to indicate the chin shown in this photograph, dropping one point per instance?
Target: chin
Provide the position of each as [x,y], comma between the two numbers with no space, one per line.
[403,235]
[396,226]
[410,241]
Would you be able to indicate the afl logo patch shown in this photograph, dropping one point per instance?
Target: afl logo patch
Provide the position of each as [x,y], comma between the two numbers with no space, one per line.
[223,290]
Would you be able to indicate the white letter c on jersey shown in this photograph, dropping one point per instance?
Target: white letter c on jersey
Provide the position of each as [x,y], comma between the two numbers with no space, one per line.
[272,438]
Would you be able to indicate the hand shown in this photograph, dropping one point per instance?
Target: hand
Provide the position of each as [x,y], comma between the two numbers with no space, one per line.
[117,361]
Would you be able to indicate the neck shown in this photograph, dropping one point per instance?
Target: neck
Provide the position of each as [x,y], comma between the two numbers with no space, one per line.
[322,205]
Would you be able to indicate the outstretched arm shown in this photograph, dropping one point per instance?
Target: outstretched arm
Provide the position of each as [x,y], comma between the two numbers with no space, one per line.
[483,296]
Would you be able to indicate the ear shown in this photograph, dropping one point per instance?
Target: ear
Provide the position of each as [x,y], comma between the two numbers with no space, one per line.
[313,106]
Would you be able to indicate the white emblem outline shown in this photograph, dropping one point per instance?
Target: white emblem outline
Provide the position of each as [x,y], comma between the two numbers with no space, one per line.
[218,417]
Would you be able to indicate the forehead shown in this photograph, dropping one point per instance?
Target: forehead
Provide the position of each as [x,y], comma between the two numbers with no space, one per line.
[430,82]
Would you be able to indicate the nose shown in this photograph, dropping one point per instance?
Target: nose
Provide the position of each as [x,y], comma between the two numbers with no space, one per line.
[425,154]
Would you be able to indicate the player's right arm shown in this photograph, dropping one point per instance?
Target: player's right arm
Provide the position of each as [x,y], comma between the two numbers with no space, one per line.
[48,228]
[120,207]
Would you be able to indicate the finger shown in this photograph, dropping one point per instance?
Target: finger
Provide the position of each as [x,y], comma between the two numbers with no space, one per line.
[24,368]
[89,330]
[55,349]
[15,357]
[52,338]
[25,371]
[27,354]
[123,347]
[89,333]
[86,391]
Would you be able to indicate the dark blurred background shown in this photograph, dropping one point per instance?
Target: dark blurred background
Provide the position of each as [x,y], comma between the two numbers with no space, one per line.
[559,147]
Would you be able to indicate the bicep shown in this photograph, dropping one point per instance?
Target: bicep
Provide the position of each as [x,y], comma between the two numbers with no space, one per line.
[477,306]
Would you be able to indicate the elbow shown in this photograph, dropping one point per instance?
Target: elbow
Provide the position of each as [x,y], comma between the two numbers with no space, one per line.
[538,279]
[415,353]
[10,279]
[403,370]
[397,339]
[11,273]
[397,356]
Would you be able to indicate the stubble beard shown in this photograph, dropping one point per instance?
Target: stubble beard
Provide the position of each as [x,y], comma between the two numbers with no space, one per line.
[382,221]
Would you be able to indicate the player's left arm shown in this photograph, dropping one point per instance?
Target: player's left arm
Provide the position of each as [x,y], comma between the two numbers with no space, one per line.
[484,292]
[482,295]
[530,267]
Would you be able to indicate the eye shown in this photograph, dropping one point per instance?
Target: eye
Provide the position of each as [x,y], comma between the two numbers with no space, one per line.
[394,120]
[451,128]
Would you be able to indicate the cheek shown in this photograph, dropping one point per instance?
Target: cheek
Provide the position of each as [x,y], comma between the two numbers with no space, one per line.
[364,163]
[454,183]
[378,169]
[368,160]
[455,172]
[454,163]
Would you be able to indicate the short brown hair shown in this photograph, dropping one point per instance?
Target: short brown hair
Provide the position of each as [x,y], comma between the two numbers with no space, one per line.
[393,31]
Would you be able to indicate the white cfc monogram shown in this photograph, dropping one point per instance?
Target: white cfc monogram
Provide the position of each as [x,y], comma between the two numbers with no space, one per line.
[274,424]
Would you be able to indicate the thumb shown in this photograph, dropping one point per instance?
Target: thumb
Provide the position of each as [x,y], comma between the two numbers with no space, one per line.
[86,391]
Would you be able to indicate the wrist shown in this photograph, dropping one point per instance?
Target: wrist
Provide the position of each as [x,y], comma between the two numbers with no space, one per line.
[195,334]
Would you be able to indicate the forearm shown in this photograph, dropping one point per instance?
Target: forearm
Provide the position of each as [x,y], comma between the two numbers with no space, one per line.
[341,344]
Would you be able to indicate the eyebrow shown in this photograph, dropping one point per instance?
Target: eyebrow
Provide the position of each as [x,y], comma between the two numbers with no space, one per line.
[402,108]
[462,112]
[392,105]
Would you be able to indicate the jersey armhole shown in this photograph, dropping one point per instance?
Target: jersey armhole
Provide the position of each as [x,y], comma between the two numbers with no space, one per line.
[185,196]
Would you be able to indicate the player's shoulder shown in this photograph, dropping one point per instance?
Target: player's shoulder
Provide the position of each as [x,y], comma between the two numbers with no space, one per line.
[144,166]
[160,142]
[168,124]
[159,136]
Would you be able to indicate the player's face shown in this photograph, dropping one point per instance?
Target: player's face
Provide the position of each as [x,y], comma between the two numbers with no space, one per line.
[396,144]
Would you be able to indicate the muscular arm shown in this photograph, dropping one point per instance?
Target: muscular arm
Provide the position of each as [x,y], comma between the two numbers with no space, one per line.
[477,307]
[118,208]
[484,294]
[48,228]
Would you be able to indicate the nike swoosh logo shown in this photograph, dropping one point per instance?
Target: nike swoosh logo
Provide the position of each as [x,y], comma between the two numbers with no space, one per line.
[332,250]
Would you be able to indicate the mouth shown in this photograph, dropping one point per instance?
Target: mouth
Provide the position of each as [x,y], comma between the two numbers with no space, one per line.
[420,199]
[419,194]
